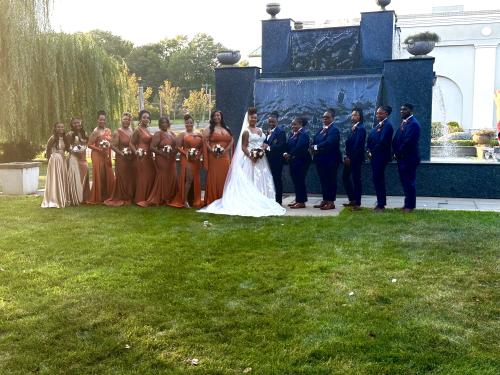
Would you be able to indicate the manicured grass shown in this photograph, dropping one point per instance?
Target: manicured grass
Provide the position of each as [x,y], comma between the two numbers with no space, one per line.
[95,290]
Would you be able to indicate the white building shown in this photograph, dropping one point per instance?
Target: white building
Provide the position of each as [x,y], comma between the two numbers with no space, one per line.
[467,63]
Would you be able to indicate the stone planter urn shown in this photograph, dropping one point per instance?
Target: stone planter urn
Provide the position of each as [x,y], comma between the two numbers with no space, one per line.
[19,178]
[383,3]
[298,25]
[273,9]
[228,57]
[420,48]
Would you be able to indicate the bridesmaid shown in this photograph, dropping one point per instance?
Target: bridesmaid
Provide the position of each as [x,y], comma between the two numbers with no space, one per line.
[164,147]
[55,185]
[123,192]
[141,147]
[299,159]
[78,169]
[102,170]
[190,146]
[216,163]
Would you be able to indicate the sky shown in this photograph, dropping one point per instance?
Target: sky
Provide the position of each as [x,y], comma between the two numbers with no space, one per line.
[234,23]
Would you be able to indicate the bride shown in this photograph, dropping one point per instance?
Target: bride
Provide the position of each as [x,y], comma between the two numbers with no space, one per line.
[249,187]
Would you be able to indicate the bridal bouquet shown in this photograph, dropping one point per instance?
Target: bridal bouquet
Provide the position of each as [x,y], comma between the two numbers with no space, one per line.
[192,153]
[218,150]
[104,144]
[127,151]
[140,152]
[168,149]
[78,148]
[256,154]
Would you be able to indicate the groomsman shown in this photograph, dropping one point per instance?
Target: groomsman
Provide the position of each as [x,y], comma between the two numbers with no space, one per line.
[354,159]
[327,157]
[406,152]
[297,155]
[379,152]
[275,146]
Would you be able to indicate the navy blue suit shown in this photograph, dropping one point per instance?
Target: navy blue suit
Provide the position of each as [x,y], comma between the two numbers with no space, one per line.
[298,148]
[405,146]
[379,146]
[277,144]
[327,158]
[351,174]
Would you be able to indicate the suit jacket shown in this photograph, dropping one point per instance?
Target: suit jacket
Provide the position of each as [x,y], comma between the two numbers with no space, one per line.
[379,142]
[277,143]
[298,147]
[328,144]
[405,142]
[355,144]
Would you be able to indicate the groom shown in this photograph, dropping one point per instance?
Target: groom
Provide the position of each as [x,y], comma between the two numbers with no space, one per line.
[275,146]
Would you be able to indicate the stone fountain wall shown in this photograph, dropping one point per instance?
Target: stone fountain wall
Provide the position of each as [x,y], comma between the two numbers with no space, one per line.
[306,71]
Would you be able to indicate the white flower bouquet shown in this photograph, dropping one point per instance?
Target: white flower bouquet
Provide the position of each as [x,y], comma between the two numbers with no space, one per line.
[140,152]
[192,153]
[104,144]
[218,150]
[256,154]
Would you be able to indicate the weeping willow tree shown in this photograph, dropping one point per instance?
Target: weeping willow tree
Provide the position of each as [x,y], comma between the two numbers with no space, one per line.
[47,77]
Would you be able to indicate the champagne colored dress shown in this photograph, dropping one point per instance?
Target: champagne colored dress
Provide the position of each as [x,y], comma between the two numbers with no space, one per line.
[123,192]
[190,165]
[145,169]
[102,170]
[217,166]
[55,195]
[165,185]
[78,170]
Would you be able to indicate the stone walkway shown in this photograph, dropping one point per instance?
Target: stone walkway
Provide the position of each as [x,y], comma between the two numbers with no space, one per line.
[429,203]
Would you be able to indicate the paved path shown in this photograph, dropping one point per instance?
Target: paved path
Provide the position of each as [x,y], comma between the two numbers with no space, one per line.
[429,203]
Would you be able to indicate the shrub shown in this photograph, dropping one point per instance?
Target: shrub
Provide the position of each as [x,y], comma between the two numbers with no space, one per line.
[488,132]
[456,136]
[436,130]
[454,127]
[422,37]
[18,151]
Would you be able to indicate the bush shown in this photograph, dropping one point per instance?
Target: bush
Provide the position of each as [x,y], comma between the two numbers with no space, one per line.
[18,151]
[454,127]
[456,136]
[488,132]
[457,142]
[422,37]
[494,142]
[436,130]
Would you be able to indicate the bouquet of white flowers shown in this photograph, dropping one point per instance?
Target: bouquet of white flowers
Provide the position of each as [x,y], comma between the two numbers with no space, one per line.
[218,150]
[168,149]
[104,144]
[192,153]
[256,154]
[140,152]
[127,151]
[78,148]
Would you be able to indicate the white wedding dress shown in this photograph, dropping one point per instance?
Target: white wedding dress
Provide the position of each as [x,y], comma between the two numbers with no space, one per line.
[249,187]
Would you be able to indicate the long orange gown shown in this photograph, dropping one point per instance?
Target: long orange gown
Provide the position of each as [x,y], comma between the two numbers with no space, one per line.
[165,185]
[102,170]
[217,167]
[124,190]
[145,168]
[193,197]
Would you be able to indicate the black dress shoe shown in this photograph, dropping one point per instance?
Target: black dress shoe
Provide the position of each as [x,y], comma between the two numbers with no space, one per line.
[350,204]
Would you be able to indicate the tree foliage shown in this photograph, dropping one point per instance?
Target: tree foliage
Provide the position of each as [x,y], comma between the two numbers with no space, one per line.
[112,44]
[48,77]
[198,104]
[170,97]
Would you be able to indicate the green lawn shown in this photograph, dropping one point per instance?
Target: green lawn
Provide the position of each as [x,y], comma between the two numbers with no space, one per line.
[96,290]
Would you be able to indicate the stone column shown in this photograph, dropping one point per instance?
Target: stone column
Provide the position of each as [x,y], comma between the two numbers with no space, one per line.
[484,86]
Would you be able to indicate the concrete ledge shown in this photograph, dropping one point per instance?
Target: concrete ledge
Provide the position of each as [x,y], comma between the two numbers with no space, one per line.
[19,178]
